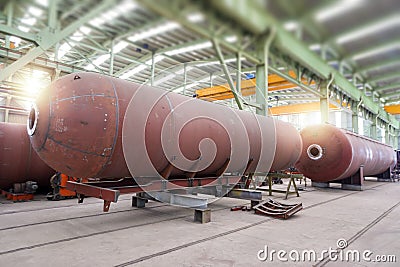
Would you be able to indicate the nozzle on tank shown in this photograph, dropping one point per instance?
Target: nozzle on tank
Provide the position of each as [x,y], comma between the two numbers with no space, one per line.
[315,152]
[32,120]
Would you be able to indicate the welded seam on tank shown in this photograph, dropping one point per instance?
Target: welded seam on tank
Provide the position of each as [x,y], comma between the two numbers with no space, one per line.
[116,126]
[83,151]
[351,161]
[81,96]
[360,233]
[48,127]
[73,148]
[171,219]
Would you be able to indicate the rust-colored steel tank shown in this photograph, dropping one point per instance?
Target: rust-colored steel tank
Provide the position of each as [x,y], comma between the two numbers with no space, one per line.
[91,125]
[330,153]
[18,161]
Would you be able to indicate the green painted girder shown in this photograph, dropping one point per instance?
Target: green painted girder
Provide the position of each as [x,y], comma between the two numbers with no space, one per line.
[259,23]
[49,37]
[387,87]
[388,76]
[16,32]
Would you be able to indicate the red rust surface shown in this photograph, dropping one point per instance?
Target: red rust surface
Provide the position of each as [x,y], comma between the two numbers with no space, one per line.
[18,161]
[343,154]
[81,118]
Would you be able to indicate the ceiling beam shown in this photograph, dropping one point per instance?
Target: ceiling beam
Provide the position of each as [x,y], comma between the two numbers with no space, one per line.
[387,76]
[48,37]
[387,87]
[373,49]
[378,65]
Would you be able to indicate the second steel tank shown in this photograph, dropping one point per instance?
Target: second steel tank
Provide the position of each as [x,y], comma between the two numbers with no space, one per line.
[330,154]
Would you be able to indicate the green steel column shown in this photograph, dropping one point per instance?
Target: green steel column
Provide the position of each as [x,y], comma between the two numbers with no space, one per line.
[10,12]
[373,134]
[153,64]
[238,73]
[184,78]
[261,89]
[324,102]
[354,117]
[396,139]
[387,135]
[111,70]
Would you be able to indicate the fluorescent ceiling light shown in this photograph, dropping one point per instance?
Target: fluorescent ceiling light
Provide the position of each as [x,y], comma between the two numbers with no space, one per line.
[189,48]
[133,71]
[217,62]
[231,39]
[291,25]
[42,2]
[37,12]
[376,28]
[338,8]
[15,40]
[188,68]
[98,61]
[376,51]
[119,46]
[195,17]
[64,49]
[188,86]
[165,27]
[315,47]
[164,79]
[120,9]
[169,77]
[23,28]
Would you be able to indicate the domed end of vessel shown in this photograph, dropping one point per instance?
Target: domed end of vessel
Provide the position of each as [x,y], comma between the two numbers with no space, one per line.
[326,153]
[74,124]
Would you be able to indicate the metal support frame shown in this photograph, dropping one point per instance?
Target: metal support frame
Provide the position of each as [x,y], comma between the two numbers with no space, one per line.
[324,100]
[354,117]
[111,70]
[220,56]
[48,37]
[262,73]
[373,132]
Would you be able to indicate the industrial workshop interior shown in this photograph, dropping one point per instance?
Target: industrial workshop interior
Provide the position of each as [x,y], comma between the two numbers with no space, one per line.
[199,133]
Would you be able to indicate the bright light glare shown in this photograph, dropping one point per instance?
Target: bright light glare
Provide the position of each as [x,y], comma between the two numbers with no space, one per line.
[309,118]
[35,83]
[189,48]
[120,9]
[195,17]
[377,51]
[338,8]
[37,12]
[165,27]
[375,28]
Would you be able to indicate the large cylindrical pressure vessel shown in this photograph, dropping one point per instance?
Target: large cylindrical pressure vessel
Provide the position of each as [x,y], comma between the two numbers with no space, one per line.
[330,153]
[18,161]
[91,125]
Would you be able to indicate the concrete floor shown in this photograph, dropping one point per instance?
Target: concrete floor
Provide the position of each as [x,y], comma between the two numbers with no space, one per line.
[44,233]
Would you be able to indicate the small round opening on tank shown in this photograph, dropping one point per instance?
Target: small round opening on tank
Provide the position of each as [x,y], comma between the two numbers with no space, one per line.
[32,120]
[314,152]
